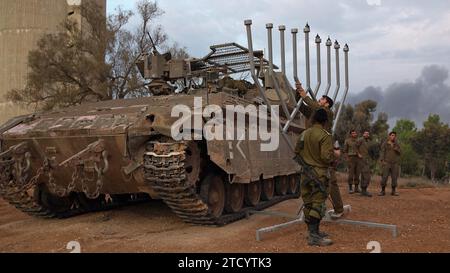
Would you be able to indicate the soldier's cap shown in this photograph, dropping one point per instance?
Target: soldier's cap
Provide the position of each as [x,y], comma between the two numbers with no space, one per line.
[329,100]
[320,116]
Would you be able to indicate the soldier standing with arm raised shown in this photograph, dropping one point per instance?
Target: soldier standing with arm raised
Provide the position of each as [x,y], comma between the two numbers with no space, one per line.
[390,160]
[315,148]
[309,107]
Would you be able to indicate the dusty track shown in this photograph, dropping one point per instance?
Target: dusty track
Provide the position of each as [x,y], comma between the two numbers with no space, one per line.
[422,216]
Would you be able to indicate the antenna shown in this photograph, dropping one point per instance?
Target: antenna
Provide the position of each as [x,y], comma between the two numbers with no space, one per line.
[155,50]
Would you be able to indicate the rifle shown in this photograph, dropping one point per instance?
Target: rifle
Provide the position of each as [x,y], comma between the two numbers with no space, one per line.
[312,176]
[310,173]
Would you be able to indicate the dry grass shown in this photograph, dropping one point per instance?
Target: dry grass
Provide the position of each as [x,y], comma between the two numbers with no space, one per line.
[403,182]
[418,183]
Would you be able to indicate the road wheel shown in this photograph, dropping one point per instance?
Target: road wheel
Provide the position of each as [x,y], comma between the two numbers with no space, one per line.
[268,189]
[252,194]
[212,192]
[235,197]
[281,185]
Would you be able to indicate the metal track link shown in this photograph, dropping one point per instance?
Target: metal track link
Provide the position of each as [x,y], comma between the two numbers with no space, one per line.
[166,175]
[27,201]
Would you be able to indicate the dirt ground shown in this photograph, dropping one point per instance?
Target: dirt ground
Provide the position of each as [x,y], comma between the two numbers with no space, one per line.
[422,216]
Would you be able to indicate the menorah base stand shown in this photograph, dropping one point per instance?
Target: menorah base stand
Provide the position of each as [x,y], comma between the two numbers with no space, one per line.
[301,219]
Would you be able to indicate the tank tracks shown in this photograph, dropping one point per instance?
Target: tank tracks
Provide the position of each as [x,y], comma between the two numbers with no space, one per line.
[166,175]
[27,203]
[37,201]
[32,206]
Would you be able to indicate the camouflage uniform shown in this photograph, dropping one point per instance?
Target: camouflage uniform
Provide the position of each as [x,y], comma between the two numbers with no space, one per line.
[316,148]
[363,150]
[308,110]
[351,150]
[390,159]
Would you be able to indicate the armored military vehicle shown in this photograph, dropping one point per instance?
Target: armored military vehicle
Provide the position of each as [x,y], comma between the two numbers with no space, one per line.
[99,155]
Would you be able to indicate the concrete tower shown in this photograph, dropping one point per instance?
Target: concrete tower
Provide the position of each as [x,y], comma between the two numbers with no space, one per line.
[22,24]
[73,9]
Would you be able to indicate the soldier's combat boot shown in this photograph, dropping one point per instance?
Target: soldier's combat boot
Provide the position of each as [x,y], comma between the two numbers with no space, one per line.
[357,189]
[382,192]
[322,234]
[350,189]
[394,193]
[365,193]
[314,238]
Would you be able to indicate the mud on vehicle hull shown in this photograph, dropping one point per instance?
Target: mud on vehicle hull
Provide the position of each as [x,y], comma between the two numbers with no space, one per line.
[167,174]
[108,154]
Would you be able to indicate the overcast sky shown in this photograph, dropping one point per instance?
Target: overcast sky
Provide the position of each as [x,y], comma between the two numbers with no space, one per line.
[395,45]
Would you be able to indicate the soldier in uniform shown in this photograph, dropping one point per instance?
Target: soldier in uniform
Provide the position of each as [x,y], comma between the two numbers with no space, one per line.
[363,153]
[351,153]
[390,160]
[310,106]
[315,147]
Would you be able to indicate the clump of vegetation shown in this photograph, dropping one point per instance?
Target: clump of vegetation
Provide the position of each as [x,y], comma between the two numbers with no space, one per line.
[425,152]
[417,183]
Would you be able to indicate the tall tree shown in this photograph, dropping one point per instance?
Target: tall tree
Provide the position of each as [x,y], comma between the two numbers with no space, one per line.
[357,118]
[92,61]
[379,132]
[345,122]
[380,127]
[363,116]
[410,161]
[433,144]
[405,129]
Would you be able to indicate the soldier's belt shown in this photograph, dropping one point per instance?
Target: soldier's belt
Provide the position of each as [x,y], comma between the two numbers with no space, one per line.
[320,168]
